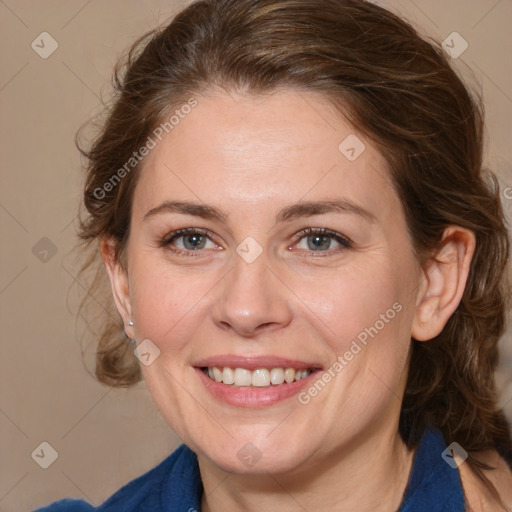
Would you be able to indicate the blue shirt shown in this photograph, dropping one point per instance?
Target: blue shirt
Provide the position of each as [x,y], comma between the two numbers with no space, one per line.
[175,485]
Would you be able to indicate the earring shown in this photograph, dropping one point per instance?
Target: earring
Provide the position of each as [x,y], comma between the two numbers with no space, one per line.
[128,339]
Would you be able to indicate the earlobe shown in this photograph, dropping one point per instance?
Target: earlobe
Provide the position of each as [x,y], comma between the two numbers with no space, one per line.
[119,284]
[445,279]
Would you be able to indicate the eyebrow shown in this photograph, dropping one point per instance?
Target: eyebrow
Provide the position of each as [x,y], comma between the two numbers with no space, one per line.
[294,211]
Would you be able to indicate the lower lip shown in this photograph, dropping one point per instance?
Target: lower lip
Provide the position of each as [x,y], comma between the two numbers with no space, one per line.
[253,396]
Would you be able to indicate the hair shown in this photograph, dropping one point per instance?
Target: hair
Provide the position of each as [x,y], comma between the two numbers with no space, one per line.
[394,87]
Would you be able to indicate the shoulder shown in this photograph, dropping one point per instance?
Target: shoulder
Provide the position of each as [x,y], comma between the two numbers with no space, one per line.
[67,505]
[477,495]
[146,492]
[143,493]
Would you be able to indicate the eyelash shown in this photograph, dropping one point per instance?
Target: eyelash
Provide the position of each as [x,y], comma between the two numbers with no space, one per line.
[345,242]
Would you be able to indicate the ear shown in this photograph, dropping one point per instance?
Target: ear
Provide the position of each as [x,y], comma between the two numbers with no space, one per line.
[119,283]
[444,281]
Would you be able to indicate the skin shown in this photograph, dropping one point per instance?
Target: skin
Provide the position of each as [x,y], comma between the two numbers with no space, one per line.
[251,156]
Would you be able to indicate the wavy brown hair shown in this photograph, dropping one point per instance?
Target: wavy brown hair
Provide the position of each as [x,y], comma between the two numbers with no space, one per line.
[400,91]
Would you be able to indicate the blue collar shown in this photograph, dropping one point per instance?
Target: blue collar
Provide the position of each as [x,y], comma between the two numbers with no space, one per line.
[433,483]
[175,484]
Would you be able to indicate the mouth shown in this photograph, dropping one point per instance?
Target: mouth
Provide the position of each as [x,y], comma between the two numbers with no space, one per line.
[254,382]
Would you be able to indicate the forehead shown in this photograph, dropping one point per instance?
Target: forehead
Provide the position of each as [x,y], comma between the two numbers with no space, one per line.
[236,149]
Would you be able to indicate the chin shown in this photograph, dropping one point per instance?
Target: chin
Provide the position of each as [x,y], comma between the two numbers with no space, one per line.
[248,459]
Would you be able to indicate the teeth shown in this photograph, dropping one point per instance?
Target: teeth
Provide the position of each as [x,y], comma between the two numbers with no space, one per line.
[262,377]
[243,377]
[289,375]
[301,374]
[228,376]
[277,375]
[217,374]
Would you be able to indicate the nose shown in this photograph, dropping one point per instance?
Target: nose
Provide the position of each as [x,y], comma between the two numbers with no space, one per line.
[253,299]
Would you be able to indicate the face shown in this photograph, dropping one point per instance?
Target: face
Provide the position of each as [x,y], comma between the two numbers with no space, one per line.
[248,287]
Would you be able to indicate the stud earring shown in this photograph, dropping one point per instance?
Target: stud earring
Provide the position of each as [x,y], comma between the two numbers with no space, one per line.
[130,323]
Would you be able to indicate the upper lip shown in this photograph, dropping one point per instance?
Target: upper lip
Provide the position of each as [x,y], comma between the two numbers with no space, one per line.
[255,362]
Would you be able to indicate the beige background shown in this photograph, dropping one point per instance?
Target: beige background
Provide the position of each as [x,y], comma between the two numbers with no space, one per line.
[105,437]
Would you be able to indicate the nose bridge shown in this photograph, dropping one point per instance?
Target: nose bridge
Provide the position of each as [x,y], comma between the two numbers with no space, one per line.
[252,297]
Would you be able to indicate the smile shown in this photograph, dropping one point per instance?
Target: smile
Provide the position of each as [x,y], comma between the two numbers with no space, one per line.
[260,377]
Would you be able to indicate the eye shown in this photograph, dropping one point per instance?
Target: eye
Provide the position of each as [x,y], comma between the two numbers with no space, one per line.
[321,240]
[188,240]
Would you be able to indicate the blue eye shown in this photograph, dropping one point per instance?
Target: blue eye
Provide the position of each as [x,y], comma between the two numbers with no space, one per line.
[194,240]
[320,240]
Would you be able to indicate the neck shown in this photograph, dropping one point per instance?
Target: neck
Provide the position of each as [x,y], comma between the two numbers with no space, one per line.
[372,474]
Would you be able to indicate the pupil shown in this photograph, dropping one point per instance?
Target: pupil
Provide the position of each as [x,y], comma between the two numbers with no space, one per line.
[196,243]
[324,241]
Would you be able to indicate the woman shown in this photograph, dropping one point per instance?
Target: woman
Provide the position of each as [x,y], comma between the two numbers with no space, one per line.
[302,244]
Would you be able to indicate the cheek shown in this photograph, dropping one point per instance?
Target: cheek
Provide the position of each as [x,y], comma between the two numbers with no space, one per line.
[351,302]
[366,320]
[167,301]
